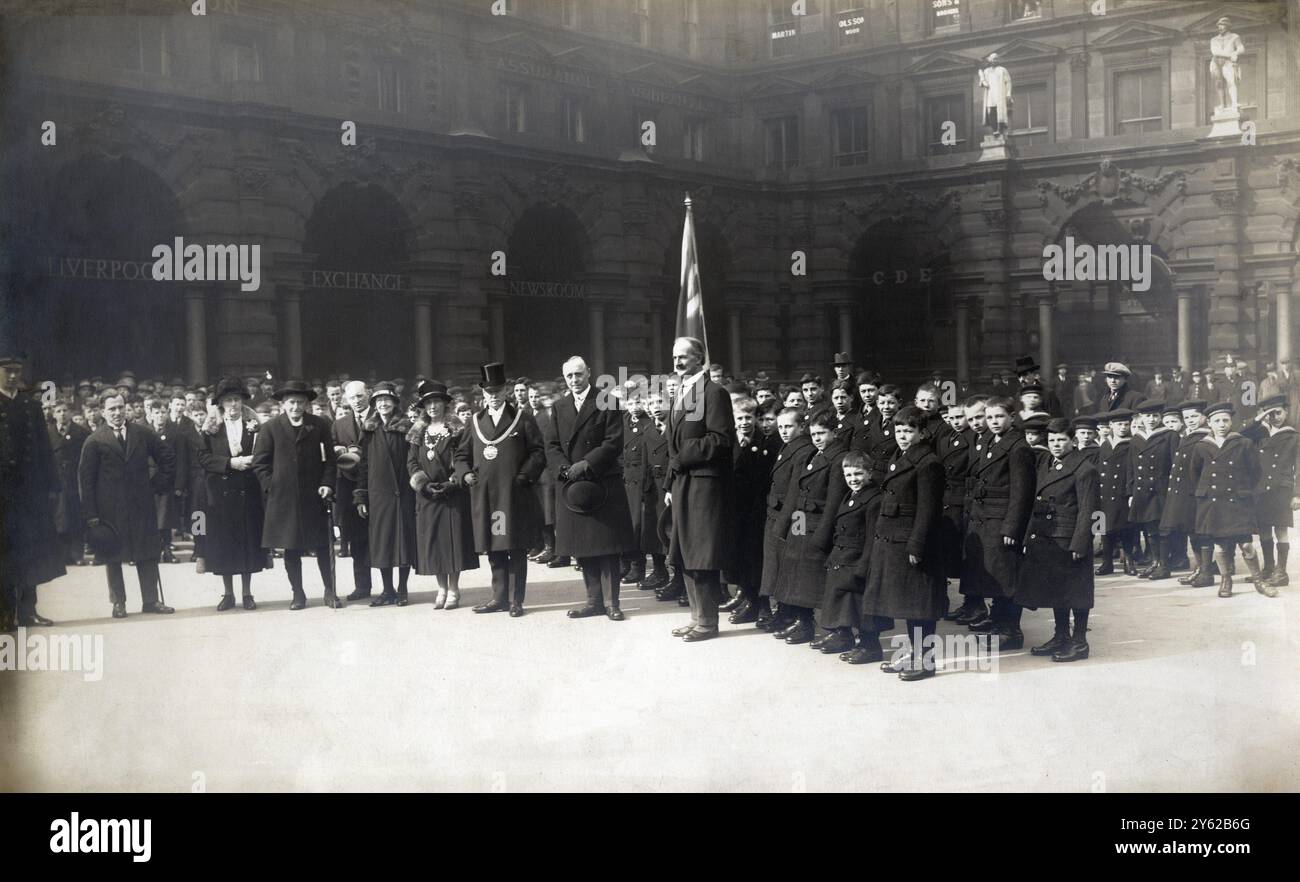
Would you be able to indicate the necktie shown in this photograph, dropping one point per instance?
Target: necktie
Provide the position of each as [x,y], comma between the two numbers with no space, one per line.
[121,436]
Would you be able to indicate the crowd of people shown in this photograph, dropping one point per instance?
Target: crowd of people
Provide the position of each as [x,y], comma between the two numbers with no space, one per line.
[836,508]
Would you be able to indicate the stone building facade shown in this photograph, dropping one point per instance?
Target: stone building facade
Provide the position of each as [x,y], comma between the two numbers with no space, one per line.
[847,139]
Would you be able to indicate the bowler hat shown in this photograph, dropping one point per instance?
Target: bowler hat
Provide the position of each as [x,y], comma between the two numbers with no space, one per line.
[103,539]
[584,496]
[428,389]
[347,461]
[842,358]
[664,526]
[229,386]
[494,376]
[294,387]
[1025,364]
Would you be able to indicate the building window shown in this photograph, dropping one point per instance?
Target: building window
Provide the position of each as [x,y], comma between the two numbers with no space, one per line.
[782,140]
[573,119]
[849,129]
[641,22]
[782,29]
[691,26]
[1030,116]
[516,108]
[851,27]
[944,15]
[1026,10]
[570,12]
[140,45]
[693,139]
[945,123]
[1138,100]
[391,86]
[239,58]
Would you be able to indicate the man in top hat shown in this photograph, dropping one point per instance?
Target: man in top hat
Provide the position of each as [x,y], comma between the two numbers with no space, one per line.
[1028,372]
[500,458]
[117,499]
[584,443]
[295,462]
[354,531]
[1275,486]
[1118,395]
[30,553]
[700,427]
[842,366]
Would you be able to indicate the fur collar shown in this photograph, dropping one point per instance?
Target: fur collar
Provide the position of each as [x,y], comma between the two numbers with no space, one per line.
[401,424]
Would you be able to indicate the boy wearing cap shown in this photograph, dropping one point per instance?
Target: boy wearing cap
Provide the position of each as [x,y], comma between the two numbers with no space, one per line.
[1275,488]
[1114,487]
[1229,470]
[1084,429]
[1178,520]
[1152,457]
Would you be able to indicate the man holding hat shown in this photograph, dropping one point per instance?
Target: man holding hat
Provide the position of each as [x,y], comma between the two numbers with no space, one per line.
[584,442]
[30,552]
[500,459]
[296,465]
[117,499]
[1275,487]
[1118,395]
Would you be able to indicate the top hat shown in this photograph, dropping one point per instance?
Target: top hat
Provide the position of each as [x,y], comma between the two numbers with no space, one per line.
[431,389]
[1117,369]
[385,388]
[1025,364]
[229,386]
[584,496]
[842,358]
[1272,402]
[494,376]
[294,387]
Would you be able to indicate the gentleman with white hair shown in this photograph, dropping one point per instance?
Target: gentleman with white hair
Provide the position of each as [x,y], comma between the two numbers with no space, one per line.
[593,523]
[355,531]
[700,497]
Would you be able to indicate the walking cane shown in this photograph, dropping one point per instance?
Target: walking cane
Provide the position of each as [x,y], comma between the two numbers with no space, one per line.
[334,593]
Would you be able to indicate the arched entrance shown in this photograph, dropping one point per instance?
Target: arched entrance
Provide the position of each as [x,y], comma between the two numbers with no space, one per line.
[1107,320]
[84,302]
[904,315]
[357,232]
[544,314]
[714,256]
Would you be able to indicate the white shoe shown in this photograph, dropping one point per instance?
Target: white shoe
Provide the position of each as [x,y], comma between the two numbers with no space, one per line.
[441,600]
[453,599]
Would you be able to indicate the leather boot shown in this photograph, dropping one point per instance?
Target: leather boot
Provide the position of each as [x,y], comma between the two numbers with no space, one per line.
[732,604]
[657,579]
[1107,556]
[636,572]
[675,588]
[1130,568]
[1058,642]
[1196,569]
[1262,583]
[1225,573]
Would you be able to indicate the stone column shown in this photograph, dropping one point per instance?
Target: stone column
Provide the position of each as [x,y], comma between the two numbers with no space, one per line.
[596,337]
[845,315]
[196,336]
[1046,349]
[962,308]
[293,330]
[1079,95]
[1282,308]
[733,332]
[422,308]
[1185,329]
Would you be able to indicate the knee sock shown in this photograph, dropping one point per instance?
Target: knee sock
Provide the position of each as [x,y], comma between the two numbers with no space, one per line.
[1062,616]
[1081,625]
[1266,546]
[1282,549]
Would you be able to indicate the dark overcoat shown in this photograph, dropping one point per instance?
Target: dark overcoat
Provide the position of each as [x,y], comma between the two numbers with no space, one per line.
[643,488]
[66,447]
[30,553]
[172,503]
[878,443]
[1065,497]
[789,460]
[292,464]
[1115,483]
[813,494]
[1275,487]
[953,450]
[594,435]
[1122,398]
[546,484]
[848,428]
[700,432]
[116,487]
[1179,515]
[1225,493]
[384,487]
[196,480]
[1152,458]
[846,538]
[1001,500]
[444,532]
[233,516]
[505,510]
[910,508]
[347,433]
[751,474]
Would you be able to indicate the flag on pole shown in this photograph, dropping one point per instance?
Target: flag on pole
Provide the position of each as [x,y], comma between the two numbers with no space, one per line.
[690,297]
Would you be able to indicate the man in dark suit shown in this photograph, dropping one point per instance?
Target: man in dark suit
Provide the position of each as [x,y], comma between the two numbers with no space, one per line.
[700,427]
[1118,395]
[66,441]
[353,529]
[118,493]
[584,443]
[296,465]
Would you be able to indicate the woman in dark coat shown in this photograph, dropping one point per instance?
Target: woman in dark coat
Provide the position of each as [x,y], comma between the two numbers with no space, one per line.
[1225,512]
[233,512]
[1057,566]
[794,454]
[814,493]
[905,577]
[384,495]
[444,537]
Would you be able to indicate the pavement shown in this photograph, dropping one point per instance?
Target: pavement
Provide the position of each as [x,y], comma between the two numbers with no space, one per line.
[1184,692]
